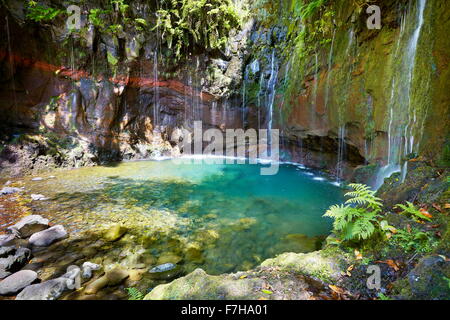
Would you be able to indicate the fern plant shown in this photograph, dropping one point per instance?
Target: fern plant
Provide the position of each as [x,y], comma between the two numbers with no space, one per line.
[411,210]
[134,294]
[40,13]
[359,219]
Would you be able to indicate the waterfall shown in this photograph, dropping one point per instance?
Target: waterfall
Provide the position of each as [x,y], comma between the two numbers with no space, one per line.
[341,153]
[402,113]
[261,80]
[272,92]
[330,65]
[156,88]
[244,93]
[11,62]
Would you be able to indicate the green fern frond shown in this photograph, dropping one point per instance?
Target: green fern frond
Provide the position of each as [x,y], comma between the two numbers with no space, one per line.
[134,294]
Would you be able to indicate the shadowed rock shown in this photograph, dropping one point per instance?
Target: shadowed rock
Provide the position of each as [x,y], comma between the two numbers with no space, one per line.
[28,226]
[49,236]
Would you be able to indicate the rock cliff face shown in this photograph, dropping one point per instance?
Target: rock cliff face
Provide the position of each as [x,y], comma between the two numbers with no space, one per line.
[347,95]
[342,95]
[118,94]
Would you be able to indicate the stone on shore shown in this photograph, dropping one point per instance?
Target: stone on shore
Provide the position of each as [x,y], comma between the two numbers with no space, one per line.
[16,282]
[49,236]
[48,290]
[28,226]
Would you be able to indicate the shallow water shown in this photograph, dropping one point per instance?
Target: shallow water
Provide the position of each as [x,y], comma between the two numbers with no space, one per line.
[236,216]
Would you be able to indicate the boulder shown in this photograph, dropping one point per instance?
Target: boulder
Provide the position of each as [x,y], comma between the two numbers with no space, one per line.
[48,290]
[114,233]
[428,280]
[16,282]
[28,226]
[49,236]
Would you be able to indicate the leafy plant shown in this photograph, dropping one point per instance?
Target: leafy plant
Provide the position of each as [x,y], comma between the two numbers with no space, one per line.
[38,13]
[413,240]
[411,210]
[134,294]
[382,296]
[185,24]
[95,17]
[359,218]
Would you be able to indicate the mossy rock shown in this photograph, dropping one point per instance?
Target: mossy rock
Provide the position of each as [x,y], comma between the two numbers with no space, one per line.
[200,286]
[326,265]
[429,280]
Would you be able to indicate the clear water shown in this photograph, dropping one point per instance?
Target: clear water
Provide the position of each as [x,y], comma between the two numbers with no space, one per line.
[238,217]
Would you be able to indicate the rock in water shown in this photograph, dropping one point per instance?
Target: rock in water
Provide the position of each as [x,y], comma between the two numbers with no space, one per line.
[6,240]
[17,282]
[115,233]
[113,277]
[38,197]
[49,290]
[165,271]
[49,236]
[9,190]
[6,251]
[163,268]
[28,226]
[15,262]
[116,276]
[88,267]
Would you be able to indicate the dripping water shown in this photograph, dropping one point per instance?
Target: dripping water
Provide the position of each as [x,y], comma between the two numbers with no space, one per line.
[271,91]
[11,62]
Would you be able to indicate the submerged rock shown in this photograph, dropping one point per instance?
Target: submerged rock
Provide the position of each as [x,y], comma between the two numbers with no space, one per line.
[38,197]
[9,190]
[17,282]
[113,277]
[49,236]
[28,226]
[114,233]
[165,271]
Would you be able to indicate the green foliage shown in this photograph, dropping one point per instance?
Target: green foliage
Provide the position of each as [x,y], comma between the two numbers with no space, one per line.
[411,210]
[414,240]
[40,13]
[134,294]
[95,17]
[382,296]
[186,24]
[359,218]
